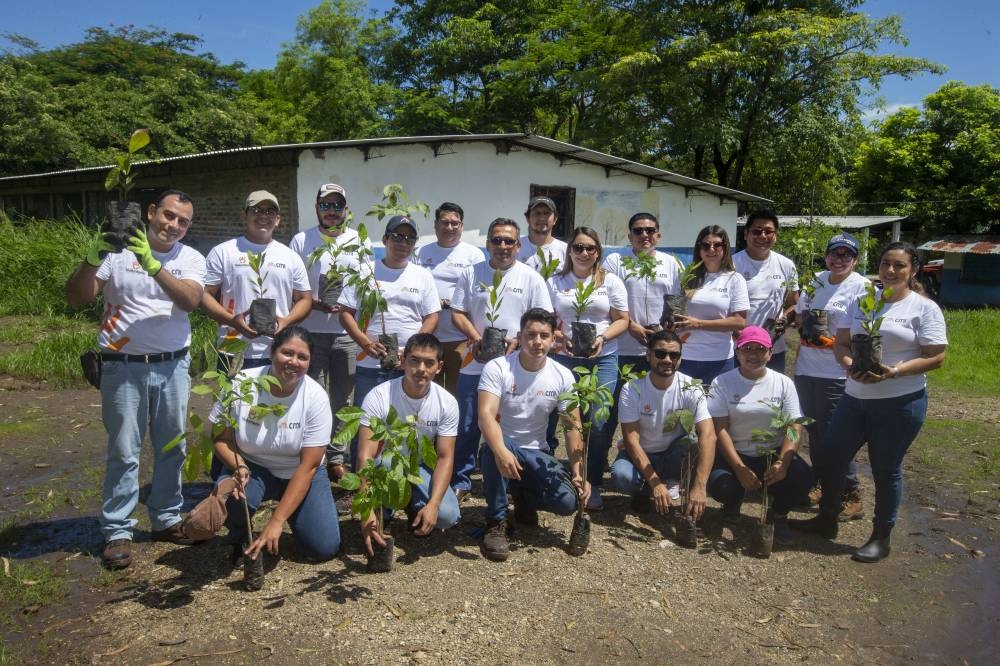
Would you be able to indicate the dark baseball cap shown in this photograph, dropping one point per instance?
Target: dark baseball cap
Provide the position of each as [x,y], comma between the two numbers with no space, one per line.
[843,240]
[543,201]
[396,221]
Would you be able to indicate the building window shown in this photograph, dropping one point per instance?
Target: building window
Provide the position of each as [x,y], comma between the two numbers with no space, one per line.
[981,268]
[565,198]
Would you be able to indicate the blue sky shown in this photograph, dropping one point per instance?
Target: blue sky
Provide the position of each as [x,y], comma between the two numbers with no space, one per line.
[964,35]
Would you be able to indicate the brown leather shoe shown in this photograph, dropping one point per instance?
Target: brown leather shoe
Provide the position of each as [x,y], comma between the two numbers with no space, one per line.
[815,495]
[173,534]
[117,554]
[852,508]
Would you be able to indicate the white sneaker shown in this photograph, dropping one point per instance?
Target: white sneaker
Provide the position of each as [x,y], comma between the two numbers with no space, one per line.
[595,502]
[674,489]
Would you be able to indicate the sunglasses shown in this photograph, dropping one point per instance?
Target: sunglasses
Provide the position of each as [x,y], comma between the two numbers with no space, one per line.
[753,349]
[664,353]
[712,246]
[580,248]
[644,231]
[402,238]
[500,240]
[264,212]
[846,255]
[331,205]
[757,231]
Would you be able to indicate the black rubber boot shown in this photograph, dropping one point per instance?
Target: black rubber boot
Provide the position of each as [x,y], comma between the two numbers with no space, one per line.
[877,547]
[822,525]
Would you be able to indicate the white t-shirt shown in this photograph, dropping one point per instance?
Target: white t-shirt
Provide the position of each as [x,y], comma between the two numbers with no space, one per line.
[436,412]
[304,243]
[526,398]
[641,402]
[645,299]
[556,249]
[722,294]
[410,295]
[611,294]
[139,317]
[910,323]
[447,264]
[276,442]
[768,280]
[520,290]
[227,266]
[835,299]
[740,399]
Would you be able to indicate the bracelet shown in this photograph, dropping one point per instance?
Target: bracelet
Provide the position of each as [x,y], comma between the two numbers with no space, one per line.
[239,467]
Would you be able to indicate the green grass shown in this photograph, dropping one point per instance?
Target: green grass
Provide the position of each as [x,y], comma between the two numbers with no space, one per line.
[54,357]
[29,584]
[962,452]
[973,362]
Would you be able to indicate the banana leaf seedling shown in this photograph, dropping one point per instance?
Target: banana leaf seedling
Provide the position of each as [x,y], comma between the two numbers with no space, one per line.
[385,484]
[584,334]
[643,268]
[684,524]
[263,311]
[866,348]
[547,264]
[494,341]
[593,400]
[781,427]
[331,281]
[124,215]
[815,321]
[676,304]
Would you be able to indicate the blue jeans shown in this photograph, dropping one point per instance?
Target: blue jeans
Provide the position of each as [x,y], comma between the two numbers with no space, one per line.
[628,480]
[889,426]
[706,371]
[544,483]
[333,365]
[791,491]
[365,379]
[448,512]
[600,430]
[818,397]
[467,442]
[132,396]
[314,523]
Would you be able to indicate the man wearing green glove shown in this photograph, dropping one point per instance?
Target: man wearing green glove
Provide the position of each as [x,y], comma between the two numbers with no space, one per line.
[149,289]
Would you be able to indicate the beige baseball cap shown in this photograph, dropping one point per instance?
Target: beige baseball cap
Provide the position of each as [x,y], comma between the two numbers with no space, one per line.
[259,196]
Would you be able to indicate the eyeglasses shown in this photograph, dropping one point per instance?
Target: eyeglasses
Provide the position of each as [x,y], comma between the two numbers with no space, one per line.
[753,349]
[757,231]
[331,205]
[580,248]
[402,238]
[500,240]
[846,255]
[264,212]
[664,353]
[705,245]
[449,223]
[644,231]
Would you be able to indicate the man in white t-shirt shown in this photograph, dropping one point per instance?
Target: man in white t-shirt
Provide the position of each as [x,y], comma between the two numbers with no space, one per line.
[654,458]
[231,285]
[447,260]
[772,281]
[541,218]
[433,504]
[334,352]
[517,393]
[521,289]
[149,289]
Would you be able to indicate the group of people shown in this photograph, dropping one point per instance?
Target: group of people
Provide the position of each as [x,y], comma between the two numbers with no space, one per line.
[500,411]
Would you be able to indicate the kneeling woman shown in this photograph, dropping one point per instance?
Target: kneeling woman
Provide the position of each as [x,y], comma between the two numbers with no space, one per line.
[739,403]
[280,456]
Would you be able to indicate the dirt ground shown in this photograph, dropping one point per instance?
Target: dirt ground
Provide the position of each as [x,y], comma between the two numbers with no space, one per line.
[634,596]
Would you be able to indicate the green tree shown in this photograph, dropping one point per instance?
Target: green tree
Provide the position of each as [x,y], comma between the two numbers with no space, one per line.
[939,165]
[34,134]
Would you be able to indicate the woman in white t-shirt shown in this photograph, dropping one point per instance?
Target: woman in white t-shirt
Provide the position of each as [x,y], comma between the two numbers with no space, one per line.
[717,308]
[607,311]
[740,403]
[885,409]
[278,454]
[819,379]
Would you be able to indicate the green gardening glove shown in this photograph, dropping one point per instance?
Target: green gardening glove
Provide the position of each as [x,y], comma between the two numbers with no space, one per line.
[99,248]
[139,245]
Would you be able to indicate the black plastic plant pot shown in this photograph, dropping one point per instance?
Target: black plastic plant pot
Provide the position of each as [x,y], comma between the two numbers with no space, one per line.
[123,216]
[771,328]
[381,561]
[263,315]
[493,345]
[330,290]
[762,540]
[673,305]
[253,572]
[579,536]
[686,530]
[584,335]
[391,359]
[815,325]
[867,353]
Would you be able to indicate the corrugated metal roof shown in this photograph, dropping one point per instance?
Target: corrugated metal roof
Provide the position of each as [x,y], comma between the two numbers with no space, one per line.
[848,222]
[972,244]
[565,151]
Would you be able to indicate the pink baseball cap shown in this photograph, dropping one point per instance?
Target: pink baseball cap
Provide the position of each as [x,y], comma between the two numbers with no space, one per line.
[753,334]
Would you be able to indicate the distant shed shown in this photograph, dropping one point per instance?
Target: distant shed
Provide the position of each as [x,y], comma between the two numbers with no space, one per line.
[971,274]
